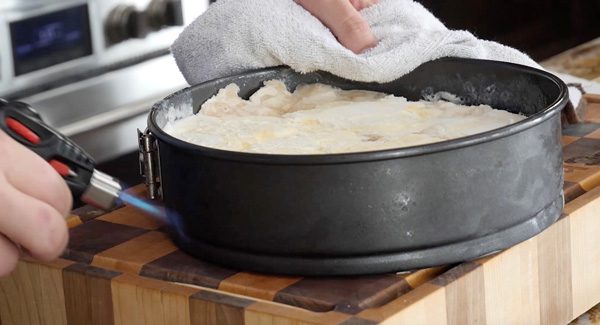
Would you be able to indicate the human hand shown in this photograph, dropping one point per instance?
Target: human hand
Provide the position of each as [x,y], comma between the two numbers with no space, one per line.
[342,17]
[33,202]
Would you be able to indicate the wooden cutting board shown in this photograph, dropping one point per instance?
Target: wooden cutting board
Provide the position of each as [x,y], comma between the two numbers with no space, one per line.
[121,268]
[582,61]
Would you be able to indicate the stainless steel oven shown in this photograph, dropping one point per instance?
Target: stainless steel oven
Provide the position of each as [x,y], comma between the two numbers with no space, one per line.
[92,68]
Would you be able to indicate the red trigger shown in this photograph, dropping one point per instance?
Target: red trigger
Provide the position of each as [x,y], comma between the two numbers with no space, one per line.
[61,168]
[22,130]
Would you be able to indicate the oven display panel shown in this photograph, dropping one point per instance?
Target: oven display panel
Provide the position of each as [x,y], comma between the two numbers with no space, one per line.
[42,41]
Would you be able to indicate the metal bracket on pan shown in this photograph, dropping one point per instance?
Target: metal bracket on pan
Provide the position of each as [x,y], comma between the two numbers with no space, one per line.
[149,163]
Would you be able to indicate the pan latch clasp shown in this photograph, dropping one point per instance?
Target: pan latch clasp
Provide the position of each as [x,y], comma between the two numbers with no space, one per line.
[149,163]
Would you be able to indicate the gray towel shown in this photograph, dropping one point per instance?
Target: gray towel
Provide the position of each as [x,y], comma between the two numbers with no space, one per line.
[234,36]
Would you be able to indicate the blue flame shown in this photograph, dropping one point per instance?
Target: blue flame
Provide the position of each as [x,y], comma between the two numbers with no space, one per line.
[144,205]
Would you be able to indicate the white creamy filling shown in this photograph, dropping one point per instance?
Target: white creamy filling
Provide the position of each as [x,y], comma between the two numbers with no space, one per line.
[320,119]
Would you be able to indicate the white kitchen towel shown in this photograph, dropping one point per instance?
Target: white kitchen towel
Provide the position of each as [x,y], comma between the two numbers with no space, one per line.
[234,36]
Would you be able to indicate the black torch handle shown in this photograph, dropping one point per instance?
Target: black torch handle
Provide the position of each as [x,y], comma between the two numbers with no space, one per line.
[25,125]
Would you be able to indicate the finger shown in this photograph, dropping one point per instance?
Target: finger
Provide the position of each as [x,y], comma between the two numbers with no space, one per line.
[31,174]
[9,255]
[32,224]
[362,4]
[344,21]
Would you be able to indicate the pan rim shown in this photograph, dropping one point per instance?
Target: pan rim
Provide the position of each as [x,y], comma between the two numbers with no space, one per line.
[375,155]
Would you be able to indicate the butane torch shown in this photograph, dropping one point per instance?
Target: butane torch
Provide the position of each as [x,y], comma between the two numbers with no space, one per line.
[77,167]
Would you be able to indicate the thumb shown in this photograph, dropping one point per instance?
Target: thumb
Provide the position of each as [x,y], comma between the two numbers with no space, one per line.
[344,21]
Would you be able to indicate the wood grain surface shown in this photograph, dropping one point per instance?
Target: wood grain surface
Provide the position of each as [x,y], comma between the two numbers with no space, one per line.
[582,61]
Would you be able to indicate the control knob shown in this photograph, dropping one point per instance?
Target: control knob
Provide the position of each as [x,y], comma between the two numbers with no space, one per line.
[164,13]
[125,22]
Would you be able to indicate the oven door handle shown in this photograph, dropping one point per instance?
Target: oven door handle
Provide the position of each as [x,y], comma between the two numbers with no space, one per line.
[104,119]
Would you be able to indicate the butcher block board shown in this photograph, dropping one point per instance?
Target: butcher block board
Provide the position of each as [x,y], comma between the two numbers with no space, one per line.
[121,268]
[582,61]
